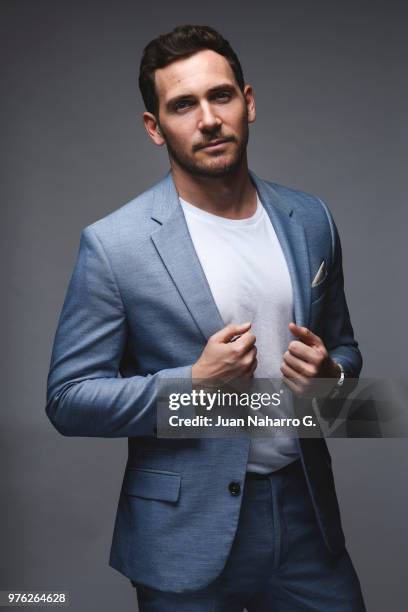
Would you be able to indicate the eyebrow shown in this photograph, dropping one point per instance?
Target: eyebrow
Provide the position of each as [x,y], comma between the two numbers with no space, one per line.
[223,86]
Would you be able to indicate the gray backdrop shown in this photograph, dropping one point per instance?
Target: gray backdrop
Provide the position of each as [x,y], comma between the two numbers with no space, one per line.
[331,92]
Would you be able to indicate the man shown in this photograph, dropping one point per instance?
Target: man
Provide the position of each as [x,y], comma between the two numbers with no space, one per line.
[211,274]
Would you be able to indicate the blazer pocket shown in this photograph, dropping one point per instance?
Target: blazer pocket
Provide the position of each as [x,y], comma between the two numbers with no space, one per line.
[152,484]
[318,290]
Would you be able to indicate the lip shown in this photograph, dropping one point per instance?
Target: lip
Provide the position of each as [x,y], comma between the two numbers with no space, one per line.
[216,144]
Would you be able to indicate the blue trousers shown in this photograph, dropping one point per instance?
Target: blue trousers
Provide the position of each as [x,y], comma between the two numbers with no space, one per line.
[278,561]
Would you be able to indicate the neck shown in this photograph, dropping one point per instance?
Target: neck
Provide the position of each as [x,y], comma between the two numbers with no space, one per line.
[232,196]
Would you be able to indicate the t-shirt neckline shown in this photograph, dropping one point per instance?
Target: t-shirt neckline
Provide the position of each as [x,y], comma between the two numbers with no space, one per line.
[194,211]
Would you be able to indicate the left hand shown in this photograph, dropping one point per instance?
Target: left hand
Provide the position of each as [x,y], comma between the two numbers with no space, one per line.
[305,360]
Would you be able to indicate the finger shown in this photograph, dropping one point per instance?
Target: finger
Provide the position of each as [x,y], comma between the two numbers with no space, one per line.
[227,333]
[244,366]
[254,366]
[305,335]
[249,357]
[302,351]
[246,342]
[292,386]
[250,373]
[299,365]
[290,373]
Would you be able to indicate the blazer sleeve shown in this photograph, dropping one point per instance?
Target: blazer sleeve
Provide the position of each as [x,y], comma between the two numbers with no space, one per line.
[336,329]
[85,395]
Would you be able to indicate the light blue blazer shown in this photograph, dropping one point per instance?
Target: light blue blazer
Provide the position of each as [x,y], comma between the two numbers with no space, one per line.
[139,309]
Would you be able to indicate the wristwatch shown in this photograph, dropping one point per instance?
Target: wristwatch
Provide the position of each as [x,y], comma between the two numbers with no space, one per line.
[335,390]
[342,375]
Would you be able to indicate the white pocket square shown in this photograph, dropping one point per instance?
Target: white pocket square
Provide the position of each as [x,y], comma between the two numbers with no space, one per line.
[321,274]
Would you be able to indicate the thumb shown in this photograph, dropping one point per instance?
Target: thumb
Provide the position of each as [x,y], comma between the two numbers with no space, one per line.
[305,335]
[227,333]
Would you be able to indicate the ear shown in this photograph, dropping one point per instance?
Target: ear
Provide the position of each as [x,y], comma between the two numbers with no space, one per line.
[152,128]
[250,103]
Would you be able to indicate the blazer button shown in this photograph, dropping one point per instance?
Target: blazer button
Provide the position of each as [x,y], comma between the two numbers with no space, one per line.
[234,488]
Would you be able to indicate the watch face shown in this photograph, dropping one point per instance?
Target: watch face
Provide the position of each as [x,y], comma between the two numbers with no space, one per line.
[341,379]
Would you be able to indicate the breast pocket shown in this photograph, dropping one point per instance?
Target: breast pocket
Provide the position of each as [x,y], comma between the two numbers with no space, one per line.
[319,290]
[317,307]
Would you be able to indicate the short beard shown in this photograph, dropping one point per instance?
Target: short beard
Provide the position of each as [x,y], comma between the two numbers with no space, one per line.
[205,171]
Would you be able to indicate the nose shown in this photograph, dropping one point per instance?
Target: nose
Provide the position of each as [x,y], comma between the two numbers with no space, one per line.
[209,121]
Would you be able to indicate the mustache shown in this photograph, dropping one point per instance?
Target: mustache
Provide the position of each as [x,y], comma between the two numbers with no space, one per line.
[221,138]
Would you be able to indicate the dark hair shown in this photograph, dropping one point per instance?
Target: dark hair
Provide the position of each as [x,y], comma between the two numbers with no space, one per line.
[181,42]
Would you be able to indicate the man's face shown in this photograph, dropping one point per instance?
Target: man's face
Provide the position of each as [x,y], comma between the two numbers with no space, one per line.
[203,115]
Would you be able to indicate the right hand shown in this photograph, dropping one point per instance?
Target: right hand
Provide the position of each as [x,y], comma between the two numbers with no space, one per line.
[224,360]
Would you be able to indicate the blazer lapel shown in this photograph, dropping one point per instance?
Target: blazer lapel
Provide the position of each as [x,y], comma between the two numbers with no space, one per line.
[175,247]
[291,236]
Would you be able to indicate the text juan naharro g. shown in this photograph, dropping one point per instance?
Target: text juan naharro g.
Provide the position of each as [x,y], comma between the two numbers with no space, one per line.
[210,400]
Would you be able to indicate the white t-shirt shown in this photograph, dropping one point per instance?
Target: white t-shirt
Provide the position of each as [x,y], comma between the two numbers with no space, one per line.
[249,280]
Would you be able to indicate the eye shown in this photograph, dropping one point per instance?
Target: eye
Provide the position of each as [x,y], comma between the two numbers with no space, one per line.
[223,95]
[182,104]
